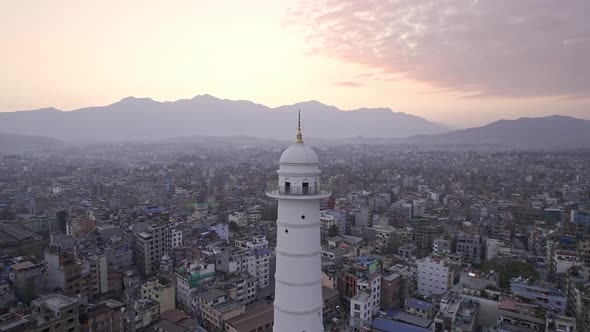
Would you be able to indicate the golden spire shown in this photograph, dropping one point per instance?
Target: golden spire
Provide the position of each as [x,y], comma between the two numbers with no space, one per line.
[299,136]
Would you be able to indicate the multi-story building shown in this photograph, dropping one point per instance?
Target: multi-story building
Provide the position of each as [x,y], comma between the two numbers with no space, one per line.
[215,308]
[449,306]
[407,250]
[175,238]
[546,295]
[150,245]
[469,247]
[441,246]
[189,277]
[419,308]
[361,312]
[329,219]
[257,317]
[435,276]
[475,283]
[105,316]
[56,313]
[27,277]
[63,270]
[392,295]
[424,235]
[578,290]
[161,291]
[254,242]
[241,287]
[518,316]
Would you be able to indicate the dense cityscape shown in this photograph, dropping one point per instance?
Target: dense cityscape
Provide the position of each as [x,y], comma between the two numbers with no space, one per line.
[182,236]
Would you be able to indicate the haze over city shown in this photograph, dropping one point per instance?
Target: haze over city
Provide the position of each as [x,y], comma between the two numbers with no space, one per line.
[295,165]
[462,63]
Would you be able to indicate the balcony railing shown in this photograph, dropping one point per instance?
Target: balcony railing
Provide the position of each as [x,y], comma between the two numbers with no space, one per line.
[273,188]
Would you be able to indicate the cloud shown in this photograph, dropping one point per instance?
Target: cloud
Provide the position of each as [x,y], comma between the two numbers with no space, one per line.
[349,84]
[500,47]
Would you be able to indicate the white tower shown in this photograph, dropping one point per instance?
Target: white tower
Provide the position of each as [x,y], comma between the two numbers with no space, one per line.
[298,288]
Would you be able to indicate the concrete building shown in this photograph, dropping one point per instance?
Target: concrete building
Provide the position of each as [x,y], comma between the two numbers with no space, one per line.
[475,283]
[56,313]
[63,270]
[392,295]
[175,238]
[419,308]
[150,245]
[361,312]
[435,276]
[407,250]
[518,316]
[331,302]
[160,291]
[27,277]
[546,295]
[189,277]
[469,247]
[258,317]
[105,316]
[298,293]
[441,246]
[215,308]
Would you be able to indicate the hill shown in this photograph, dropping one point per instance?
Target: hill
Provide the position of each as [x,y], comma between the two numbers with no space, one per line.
[14,143]
[525,133]
[205,115]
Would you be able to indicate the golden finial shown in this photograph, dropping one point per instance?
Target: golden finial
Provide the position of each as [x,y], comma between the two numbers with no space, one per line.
[299,136]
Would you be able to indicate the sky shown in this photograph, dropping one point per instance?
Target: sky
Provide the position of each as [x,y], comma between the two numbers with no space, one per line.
[463,63]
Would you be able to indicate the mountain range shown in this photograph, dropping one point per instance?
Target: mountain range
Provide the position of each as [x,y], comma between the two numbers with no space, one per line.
[143,119]
[551,132]
[204,115]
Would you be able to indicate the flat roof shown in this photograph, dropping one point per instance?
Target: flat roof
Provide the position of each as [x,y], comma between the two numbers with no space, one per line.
[408,318]
[257,314]
[386,325]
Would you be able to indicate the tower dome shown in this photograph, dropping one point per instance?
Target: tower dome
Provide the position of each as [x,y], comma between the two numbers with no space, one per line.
[299,153]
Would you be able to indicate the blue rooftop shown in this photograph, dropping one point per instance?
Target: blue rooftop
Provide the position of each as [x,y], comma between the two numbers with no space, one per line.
[407,318]
[418,304]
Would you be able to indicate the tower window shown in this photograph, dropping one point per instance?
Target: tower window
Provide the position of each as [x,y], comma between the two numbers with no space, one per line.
[287,187]
[305,188]
[286,231]
[302,217]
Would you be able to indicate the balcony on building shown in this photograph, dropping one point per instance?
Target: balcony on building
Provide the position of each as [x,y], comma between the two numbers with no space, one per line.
[305,191]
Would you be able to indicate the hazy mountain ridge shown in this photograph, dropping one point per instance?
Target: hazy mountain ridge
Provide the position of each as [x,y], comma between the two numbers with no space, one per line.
[549,132]
[15,143]
[145,119]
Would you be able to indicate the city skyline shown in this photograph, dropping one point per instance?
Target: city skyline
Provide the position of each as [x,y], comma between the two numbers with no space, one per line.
[501,60]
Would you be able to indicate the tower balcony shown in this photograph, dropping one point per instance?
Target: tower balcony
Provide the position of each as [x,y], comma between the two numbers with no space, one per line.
[273,189]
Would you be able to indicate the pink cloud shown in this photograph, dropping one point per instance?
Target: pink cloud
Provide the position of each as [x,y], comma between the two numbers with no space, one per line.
[500,47]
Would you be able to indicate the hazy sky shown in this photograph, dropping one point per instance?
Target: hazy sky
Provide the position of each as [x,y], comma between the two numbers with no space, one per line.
[459,62]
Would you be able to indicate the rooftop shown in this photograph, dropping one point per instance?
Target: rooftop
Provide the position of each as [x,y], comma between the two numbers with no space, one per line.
[257,314]
[418,304]
[55,301]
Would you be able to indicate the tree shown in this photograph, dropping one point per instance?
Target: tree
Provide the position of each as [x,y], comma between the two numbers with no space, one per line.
[510,268]
[333,231]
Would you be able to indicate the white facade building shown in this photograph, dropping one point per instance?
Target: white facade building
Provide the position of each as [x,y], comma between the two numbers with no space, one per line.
[298,288]
[434,276]
[175,238]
